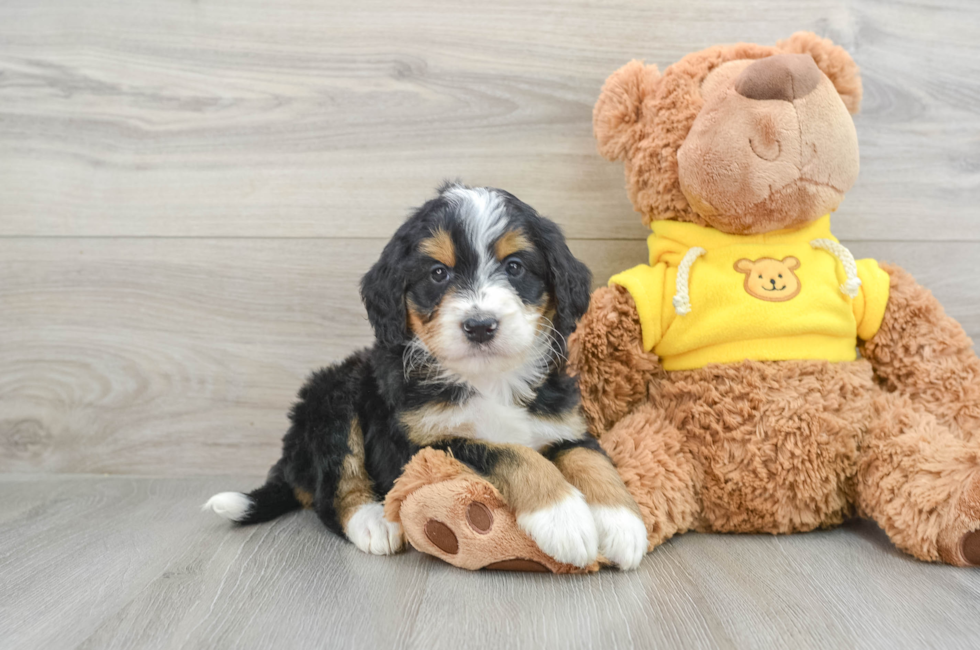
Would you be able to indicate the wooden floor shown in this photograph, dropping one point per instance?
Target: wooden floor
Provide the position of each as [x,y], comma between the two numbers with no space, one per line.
[189,193]
[125,562]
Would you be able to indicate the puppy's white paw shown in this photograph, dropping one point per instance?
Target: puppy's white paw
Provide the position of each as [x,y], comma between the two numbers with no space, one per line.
[565,530]
[230,505]
[372,533]
[622,535]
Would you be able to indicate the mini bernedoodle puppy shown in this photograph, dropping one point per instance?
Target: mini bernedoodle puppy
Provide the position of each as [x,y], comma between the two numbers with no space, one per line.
[470,303]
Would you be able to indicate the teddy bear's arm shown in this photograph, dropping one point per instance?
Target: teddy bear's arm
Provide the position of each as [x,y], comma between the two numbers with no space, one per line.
[921,352]
[606,352]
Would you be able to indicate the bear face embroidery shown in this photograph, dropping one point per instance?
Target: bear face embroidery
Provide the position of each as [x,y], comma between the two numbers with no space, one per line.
[769,279]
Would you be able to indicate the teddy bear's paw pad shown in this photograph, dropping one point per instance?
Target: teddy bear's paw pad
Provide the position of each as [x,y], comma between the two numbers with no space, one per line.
[970,548]
[442,536]
[466,523]
[479,517]
[518,564]
[959,542]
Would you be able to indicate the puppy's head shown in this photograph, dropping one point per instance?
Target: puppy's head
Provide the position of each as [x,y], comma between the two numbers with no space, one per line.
[480,280]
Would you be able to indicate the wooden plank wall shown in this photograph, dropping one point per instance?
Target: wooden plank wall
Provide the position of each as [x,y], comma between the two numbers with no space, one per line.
[189,191]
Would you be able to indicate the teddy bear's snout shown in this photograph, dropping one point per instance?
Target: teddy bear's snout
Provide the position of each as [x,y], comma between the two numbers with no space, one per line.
[783,76]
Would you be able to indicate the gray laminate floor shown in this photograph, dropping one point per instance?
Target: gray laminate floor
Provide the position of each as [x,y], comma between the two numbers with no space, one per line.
[116,562]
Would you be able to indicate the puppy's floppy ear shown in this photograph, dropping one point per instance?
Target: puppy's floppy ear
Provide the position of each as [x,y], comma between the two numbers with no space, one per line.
[617,119]
[833,61]
[383,292]
[570,280]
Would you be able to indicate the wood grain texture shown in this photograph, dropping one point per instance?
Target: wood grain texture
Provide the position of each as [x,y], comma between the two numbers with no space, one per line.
[90,562]
[182,356]
[303,117]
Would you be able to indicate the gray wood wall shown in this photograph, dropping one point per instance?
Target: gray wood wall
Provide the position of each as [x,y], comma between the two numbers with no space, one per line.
[190,191]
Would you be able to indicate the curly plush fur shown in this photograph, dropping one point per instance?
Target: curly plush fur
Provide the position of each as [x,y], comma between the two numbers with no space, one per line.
[778,446]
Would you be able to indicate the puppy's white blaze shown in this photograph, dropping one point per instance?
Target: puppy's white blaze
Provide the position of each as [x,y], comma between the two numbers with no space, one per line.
[372,533]
[622,535]
[566,531]
[230,505]
[482,211]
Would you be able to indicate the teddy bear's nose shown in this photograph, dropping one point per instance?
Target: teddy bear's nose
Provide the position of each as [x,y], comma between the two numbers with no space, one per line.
[782,76]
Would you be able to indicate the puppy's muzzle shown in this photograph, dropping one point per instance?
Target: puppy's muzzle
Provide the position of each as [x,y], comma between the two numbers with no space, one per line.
[480,330]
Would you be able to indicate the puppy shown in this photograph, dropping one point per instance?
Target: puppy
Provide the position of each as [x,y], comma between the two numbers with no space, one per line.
[471,303]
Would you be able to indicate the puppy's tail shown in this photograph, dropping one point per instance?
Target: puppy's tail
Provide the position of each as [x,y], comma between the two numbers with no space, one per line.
[273,499]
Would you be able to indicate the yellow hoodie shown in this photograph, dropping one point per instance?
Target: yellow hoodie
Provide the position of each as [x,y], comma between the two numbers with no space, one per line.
[709,297]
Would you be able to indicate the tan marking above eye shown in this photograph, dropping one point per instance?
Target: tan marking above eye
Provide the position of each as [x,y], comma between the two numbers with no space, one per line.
[439,246]
[512,241]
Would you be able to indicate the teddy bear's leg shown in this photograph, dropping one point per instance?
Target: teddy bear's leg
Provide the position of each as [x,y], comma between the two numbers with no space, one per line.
[922,353]
[921,483]
[449,511]
[659,470]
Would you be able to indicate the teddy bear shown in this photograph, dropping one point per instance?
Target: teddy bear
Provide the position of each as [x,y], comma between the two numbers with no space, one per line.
[751,376]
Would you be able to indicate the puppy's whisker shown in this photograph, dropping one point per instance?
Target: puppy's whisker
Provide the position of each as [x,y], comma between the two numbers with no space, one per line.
[555,336]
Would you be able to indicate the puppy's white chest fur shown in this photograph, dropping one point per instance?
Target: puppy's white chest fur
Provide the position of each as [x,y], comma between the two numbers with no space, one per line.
[494,414]
[494,421]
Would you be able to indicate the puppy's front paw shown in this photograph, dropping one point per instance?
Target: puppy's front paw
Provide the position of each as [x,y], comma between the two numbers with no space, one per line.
[622,535]
[372,533]
[566,530]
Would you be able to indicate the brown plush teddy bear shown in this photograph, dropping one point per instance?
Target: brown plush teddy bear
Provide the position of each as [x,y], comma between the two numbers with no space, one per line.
[721,377]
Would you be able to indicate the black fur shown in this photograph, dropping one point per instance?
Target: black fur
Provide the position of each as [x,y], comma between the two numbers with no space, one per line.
[570,279]
[272,500]
[371,388]
[552,451]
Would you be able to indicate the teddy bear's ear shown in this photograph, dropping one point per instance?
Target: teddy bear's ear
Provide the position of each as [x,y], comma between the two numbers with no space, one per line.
[617,116]
[833,61]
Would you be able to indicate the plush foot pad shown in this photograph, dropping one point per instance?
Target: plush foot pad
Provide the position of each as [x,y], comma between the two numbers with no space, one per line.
[448,511]
[970,548]
[959,543]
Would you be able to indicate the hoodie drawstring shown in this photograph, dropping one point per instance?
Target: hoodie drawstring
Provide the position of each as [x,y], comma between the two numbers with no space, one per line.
[853,283]
[682,297]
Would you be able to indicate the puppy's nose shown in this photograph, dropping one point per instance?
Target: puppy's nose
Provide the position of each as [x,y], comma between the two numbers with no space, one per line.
[480,330]
[783,76]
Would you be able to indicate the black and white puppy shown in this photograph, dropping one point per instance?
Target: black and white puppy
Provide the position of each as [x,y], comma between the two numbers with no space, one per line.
[471,303]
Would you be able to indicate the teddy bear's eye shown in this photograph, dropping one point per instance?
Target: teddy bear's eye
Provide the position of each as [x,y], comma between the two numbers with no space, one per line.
[760,277]
[780,275]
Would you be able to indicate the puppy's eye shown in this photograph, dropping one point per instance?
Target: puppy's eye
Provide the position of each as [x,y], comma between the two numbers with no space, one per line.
[514,268]
[439,274]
